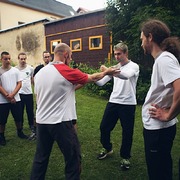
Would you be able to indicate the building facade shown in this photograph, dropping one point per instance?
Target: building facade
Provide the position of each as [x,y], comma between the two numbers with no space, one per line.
[86,34]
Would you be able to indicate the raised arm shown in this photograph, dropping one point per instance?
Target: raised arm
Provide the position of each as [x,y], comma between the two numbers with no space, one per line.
[97,76]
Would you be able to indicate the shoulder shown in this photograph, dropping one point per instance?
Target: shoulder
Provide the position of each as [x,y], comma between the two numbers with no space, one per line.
[39,66]
[75,76]
[14,69]
[133,65]
[166,58]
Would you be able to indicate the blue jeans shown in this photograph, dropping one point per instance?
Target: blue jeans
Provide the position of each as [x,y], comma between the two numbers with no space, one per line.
[126,114]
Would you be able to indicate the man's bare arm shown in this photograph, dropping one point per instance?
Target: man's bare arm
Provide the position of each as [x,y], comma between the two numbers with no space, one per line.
[163,114]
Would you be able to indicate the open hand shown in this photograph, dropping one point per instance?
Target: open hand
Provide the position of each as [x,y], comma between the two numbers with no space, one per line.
[158,113]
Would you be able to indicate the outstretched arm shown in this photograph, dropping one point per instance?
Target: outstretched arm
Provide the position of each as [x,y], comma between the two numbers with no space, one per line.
[97,76]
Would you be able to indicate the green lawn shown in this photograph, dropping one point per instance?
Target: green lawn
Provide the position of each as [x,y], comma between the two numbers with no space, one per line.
[17,156]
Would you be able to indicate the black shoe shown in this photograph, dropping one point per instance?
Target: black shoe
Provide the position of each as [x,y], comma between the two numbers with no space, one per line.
[125,164]
[104,153]
[32,128]
[22,135]
[2,141]
[32,137]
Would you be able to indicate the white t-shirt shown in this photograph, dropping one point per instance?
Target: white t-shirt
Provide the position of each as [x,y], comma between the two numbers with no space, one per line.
[124,87]
[166,69]
[55,91]
[8,80]
[26,74]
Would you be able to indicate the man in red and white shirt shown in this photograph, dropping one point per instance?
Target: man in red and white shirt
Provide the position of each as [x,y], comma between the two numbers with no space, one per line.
[55,95]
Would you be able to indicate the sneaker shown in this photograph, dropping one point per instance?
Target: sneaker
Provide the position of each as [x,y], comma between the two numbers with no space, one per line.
[22,135]
[104,153]
[32,128]
[2,141]
[32,137]
[125,164]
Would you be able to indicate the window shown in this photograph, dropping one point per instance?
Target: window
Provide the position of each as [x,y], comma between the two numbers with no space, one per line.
[53,44]
[76,45]
[95,42]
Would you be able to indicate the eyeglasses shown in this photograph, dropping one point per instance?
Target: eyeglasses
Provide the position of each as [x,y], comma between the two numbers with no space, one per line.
[46,56]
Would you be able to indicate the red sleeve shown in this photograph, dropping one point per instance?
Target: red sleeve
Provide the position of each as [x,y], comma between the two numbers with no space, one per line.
[75,76]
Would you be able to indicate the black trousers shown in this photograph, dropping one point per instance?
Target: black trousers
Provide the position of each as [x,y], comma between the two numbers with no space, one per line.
[27,101]
[158,145]
[65,136]
[15,110]
[126,114]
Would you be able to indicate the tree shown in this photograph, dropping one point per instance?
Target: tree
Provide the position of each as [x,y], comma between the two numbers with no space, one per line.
[125,16]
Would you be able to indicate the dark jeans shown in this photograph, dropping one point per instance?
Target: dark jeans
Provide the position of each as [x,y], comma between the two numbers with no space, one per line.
[27,100]
[158,145]
[15,110]
[65,136]
[126,114]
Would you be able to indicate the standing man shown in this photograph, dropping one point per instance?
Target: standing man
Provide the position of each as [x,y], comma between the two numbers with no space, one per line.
[10,83]
[25,92]
[162,101]
[121,105]
[46,58]
[56,110]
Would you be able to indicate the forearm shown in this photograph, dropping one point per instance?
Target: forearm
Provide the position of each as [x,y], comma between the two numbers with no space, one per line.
[96,76]
[32,81]
[104,80]
[167,114]
[175,107]
[15,91]
[78,86]
[3,91]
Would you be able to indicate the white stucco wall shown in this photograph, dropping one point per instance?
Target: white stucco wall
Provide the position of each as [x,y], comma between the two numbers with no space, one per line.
[29,39]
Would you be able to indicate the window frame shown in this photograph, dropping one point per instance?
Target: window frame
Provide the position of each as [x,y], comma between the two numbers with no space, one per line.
[53,46]
[95,37]
[77,40]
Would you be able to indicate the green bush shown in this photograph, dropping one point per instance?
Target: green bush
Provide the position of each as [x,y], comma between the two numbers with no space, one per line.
[143,83]
[103,91]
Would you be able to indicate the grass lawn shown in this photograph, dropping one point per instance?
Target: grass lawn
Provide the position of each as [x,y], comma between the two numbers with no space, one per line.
[17,156]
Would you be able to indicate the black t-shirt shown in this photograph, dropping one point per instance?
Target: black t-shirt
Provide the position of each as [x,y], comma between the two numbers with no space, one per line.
[37,69]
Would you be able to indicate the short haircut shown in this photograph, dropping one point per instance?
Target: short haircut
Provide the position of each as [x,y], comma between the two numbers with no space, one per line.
[4,53]
[121,46]
[61,47]
[22,53]
[45,52]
